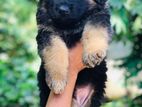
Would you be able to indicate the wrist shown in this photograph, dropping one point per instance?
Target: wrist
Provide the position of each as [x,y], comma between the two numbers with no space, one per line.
[73,72]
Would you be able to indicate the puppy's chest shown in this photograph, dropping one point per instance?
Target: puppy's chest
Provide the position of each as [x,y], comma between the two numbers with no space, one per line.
[71,37]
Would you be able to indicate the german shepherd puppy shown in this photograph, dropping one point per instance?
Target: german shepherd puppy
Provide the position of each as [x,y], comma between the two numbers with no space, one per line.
[61,24]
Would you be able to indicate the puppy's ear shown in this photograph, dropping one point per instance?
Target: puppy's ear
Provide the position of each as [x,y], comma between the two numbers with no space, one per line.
[101,1]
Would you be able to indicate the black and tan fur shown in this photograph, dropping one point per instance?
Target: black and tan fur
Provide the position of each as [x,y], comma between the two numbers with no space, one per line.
[58,33]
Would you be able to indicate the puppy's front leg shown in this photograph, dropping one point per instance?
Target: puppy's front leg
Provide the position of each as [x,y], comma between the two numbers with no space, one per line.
[55,59]
[95,44]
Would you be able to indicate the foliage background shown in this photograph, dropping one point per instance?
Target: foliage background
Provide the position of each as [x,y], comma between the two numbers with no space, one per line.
[19,60]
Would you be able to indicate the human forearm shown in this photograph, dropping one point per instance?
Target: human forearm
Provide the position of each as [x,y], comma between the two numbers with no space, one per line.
[64,99]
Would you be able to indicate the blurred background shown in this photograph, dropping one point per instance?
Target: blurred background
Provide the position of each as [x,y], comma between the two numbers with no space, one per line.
[19,62]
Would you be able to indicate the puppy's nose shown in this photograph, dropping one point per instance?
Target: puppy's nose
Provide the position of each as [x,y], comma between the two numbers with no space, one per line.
[64,9]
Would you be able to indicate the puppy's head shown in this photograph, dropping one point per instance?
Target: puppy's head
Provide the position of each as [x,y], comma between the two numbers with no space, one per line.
[70,11]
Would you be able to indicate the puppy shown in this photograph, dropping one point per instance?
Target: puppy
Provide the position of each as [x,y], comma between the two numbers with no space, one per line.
[61,24]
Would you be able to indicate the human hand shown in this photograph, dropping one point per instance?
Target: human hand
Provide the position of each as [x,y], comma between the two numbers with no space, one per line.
[75,59]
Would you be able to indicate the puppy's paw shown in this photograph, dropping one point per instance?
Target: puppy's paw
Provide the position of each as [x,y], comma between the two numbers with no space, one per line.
[57,85]
[93,58]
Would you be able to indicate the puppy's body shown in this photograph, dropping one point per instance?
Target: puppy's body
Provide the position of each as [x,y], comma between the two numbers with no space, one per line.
[61,24]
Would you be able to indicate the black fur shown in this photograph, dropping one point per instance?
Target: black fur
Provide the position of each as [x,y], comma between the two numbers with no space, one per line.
[70,30]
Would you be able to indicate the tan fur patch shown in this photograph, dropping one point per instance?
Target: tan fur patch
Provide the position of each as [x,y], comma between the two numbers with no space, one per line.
[95,38]
[56,58]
